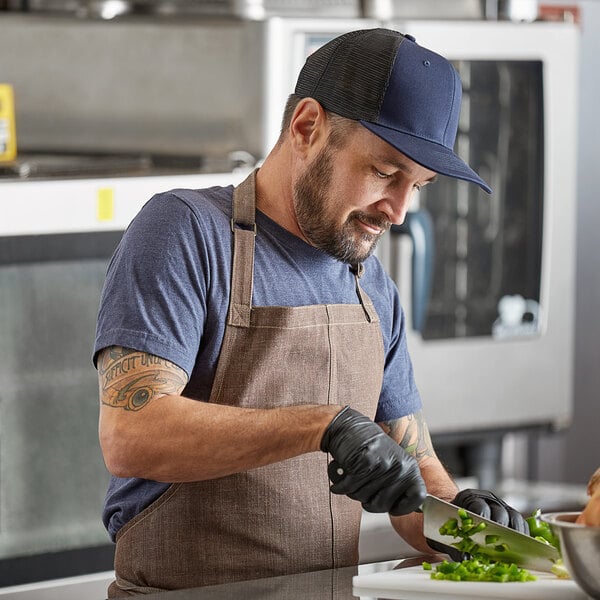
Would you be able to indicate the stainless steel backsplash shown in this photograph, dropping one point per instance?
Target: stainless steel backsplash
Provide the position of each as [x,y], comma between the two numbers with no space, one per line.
[136,85]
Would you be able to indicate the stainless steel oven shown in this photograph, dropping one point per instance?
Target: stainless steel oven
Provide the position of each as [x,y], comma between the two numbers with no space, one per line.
[487,281]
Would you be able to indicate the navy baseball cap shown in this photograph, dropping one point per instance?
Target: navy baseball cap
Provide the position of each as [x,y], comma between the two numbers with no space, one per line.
[407,95]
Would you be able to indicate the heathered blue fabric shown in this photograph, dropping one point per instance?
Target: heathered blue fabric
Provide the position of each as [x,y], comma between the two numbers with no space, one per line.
[167,293]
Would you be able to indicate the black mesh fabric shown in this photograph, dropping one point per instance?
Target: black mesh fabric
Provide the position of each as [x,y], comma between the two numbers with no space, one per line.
[344,81]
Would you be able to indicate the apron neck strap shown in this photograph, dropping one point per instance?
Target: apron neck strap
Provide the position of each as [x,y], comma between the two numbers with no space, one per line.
[243,226]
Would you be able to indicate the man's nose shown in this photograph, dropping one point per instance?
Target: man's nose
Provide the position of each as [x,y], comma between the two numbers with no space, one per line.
[395,206]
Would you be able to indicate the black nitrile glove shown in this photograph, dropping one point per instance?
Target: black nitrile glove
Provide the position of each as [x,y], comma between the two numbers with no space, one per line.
[369,466]
[487,505]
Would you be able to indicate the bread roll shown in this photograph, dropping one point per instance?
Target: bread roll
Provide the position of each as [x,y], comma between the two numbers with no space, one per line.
[591,513]
[594,483]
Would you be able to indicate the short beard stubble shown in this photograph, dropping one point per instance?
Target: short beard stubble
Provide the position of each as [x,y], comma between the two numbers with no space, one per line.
[346,243]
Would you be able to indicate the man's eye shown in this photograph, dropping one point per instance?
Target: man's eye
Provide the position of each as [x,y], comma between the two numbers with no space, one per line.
[382,175]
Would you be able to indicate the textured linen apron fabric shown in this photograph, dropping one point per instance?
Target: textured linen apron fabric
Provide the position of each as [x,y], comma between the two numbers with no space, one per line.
[280,518]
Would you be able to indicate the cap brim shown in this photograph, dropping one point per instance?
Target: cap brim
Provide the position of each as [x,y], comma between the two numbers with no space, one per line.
[430,155]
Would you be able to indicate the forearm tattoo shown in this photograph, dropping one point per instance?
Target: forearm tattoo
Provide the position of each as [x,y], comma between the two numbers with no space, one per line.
[412,434]
[130,379]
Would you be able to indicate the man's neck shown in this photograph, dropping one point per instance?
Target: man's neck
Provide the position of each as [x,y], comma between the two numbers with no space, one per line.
[274,194]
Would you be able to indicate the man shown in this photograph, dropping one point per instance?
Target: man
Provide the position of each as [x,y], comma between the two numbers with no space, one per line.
[248,342]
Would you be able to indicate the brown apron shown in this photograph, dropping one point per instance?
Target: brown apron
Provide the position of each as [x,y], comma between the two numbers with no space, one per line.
[280,518]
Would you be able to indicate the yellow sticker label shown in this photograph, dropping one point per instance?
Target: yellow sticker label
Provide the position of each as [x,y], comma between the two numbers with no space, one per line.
[8,136]
[105,204]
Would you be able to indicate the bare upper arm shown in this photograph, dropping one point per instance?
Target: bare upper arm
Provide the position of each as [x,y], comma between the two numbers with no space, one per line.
[412,433]
[130,379]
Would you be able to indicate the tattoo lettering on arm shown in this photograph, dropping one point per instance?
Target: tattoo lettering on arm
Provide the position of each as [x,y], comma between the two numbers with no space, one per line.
[412,433]
[130,379]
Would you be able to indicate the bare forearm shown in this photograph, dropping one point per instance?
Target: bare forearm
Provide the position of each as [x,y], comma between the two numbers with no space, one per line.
[189,440]
[439,484]
[412,433]
[149,430]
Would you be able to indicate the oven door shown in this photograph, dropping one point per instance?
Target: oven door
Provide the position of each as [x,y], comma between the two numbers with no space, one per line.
[492,341]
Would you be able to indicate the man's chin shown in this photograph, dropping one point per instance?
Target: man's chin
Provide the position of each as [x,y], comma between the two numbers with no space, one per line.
[368,246]
[353,248]
[359,255]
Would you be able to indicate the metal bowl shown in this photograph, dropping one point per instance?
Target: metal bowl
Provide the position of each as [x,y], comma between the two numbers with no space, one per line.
[580,549]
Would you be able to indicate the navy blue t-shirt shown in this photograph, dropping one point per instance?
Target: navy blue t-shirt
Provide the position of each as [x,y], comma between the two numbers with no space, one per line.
[167,293]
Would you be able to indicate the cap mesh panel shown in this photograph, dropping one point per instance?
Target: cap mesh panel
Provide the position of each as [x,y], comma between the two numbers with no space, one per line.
[347,76]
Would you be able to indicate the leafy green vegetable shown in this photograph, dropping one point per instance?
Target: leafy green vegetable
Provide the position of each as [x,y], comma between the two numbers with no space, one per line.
[542,531]
[479,567]
[559,569]
[482,568]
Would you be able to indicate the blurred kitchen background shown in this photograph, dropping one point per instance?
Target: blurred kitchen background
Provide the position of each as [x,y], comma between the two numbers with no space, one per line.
[104,103]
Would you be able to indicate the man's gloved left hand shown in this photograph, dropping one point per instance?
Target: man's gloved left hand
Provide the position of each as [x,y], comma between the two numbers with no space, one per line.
[489,506]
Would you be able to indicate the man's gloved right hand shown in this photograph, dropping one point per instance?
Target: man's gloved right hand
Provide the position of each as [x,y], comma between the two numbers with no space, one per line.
[369,466]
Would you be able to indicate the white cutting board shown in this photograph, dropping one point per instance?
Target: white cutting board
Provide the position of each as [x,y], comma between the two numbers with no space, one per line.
[415,583]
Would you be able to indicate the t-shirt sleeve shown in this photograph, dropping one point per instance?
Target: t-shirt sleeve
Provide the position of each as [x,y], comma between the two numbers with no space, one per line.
[399,394]
[154,294]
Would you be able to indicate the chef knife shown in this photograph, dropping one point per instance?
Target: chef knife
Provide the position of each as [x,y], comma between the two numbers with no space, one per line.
[521,549]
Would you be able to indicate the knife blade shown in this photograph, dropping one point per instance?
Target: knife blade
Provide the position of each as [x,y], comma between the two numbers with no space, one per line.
[522,549]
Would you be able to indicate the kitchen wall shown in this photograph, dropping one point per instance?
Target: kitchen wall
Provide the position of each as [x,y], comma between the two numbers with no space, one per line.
[180,86]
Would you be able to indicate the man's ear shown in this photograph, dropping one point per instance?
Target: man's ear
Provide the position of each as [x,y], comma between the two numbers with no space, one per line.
[308,126]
